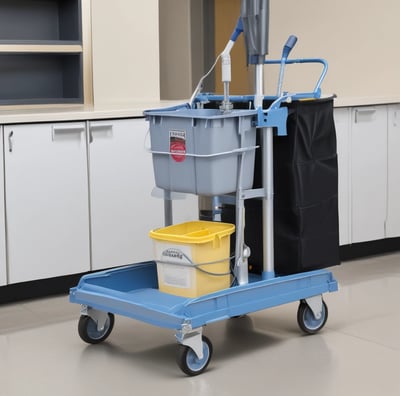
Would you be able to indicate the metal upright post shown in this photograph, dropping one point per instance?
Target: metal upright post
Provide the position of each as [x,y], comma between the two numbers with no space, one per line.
[259,86]
[167,208]
[267,181]
[268,202]
[255,19]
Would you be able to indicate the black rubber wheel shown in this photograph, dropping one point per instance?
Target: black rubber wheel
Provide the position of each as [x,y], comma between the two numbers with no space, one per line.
[307,321]
[87,329]
[188,361]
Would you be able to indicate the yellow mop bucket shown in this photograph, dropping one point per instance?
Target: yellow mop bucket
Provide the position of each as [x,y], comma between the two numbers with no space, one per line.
[193,257]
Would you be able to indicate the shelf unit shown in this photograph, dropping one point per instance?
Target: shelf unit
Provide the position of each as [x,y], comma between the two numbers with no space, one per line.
[42,51]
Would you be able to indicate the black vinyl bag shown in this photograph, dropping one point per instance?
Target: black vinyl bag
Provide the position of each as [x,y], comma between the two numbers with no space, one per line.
[306,226]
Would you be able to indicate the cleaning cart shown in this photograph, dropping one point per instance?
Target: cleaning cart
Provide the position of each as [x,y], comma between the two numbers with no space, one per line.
[200,273]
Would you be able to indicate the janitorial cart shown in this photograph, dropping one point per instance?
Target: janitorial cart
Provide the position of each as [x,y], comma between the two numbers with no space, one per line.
[267,165]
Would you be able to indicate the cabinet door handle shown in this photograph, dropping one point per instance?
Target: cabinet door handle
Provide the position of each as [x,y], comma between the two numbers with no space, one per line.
[64,130]
[10,141]
[100,127]
[363,112]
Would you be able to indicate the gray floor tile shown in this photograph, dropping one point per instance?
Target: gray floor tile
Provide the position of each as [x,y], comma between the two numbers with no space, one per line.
[357,353]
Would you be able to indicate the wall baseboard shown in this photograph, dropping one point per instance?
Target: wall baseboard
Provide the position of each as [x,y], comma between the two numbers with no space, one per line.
[38,288]
[61,285]
[371,248]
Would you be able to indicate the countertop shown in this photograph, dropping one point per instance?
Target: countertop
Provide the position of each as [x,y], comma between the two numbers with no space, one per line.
[62,113]
[59,113]
[365,101]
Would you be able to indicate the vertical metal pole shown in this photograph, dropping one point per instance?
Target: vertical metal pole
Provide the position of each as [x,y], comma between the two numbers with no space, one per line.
[167,208]
[268,203]
[241,255]
[267,181]
[259,95]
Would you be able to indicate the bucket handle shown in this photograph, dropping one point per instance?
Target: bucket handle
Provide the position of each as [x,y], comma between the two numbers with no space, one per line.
[191,263]
[235,151]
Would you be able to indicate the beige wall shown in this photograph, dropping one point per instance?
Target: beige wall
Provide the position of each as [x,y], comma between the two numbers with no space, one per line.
[359,38]
[181,47]
[175,51]
[125,51]
[134,49]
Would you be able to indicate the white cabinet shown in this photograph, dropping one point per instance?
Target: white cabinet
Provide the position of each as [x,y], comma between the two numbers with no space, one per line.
[342,124]
[393,190]
[368,173]
[47,206]
[121,182]
[3,265]
[369,179]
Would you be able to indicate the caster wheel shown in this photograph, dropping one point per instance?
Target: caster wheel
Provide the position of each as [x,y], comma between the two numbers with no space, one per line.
[87,329]
[188,361]
[307,321]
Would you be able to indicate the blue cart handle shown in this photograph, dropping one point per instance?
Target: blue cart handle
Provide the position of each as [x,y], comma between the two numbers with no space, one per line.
[289,45]
[316,93]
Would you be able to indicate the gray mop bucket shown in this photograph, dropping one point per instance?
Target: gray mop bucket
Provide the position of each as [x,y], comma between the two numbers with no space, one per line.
[202,151]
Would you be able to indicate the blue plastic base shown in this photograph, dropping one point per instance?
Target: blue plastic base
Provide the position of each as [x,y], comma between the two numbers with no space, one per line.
[132,291]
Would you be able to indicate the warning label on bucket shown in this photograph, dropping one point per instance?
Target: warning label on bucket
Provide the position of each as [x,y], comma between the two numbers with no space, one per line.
[173,269]
[177,145]
[175,276]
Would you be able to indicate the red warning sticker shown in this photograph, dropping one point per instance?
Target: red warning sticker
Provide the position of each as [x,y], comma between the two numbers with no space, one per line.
[177,145]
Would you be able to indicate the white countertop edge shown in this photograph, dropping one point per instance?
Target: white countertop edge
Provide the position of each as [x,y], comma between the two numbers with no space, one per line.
[365,101]
[79,113]
[134,110]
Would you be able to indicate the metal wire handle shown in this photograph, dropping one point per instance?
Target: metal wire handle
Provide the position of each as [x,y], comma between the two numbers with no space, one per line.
[194,265]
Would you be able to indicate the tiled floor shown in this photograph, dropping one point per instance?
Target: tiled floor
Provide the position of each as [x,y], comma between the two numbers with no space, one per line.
[264,353]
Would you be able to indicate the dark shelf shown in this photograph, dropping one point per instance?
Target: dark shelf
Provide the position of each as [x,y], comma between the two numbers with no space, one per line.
[40,78]
[58,20]
[51,75]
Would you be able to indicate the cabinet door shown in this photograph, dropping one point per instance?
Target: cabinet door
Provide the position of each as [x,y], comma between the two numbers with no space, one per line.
[46,200]
[3,266]
[342,124]
[121,181]
[123,211]
[393,199]
[368,173]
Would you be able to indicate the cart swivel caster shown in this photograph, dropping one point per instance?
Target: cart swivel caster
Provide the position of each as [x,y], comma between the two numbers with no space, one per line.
[93,331]
[308,321]
[188,361]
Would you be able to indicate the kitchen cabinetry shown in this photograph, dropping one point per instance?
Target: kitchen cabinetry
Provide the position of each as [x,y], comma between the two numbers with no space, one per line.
[47,208]
[3,265]
[68,212]
[368,173]
[369,182]
[393,177]
[121,182]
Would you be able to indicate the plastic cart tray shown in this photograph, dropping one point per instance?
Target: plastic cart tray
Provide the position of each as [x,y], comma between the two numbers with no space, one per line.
[132,291]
